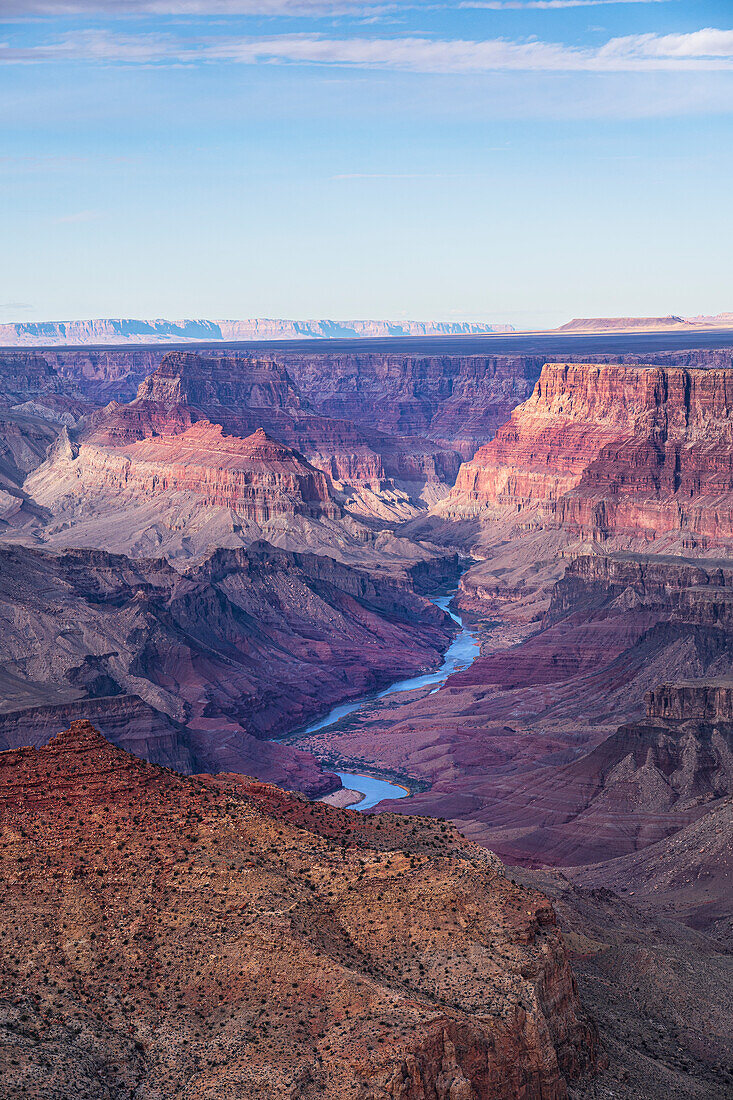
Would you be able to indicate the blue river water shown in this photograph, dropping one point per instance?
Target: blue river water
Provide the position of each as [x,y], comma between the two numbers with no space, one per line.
[462,652]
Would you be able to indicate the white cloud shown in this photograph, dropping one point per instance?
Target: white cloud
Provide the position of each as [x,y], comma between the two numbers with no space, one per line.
[546,5]
[708,49]
[60,8]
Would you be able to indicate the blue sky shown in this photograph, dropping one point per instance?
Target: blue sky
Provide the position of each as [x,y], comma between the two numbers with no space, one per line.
[512,161]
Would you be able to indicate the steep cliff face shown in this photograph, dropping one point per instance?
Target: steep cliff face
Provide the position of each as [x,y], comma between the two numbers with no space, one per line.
[458,401]
[229,384]
[32,410]
[104,374]
[692,700]
[256,477]
[246,645]
[604,451]
[164,934]
[24,375]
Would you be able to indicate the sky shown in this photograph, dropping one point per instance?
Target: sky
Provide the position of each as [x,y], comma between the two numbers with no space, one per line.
[516,161]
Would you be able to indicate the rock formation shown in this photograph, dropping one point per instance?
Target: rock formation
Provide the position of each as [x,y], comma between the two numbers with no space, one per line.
[626,324]
[186,466]
[243,646]
[33,407]
[255,477]
[607,451]
[456,400]
[517,747]
[125,330]
[163,934]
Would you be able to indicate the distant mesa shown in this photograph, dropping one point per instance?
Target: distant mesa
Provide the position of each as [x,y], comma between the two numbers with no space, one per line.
[625,324]
[126,330]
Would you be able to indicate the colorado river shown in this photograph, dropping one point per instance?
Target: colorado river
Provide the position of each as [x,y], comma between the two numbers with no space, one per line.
[462,652]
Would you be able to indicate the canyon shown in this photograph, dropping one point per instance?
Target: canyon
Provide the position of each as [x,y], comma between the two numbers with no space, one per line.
[604,450]
[195,670]
[229,450]
[271,523]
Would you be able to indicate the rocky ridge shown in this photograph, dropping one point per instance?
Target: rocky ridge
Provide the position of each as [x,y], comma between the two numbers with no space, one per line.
[352,957]
[116,330]
[204,664]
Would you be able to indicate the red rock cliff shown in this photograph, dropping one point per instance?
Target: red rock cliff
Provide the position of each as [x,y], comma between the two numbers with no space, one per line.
[610,450]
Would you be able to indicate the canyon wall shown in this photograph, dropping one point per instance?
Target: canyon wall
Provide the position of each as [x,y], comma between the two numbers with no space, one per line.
[457,400]
[243,646]
[255,477]
[221,451]
[603,451]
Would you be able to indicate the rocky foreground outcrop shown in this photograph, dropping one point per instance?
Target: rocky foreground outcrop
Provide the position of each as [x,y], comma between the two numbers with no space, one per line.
[607,451]
[165,936]
[192,670]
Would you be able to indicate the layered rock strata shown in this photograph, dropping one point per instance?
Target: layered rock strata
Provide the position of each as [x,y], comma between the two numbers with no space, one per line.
[514,747]
[255,477]
[166,934]
[606,451]
[244,645]
[223,452]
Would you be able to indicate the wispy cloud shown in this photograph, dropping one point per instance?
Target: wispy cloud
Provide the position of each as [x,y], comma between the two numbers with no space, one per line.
[546,5]
[77,217]
[708,49]
[60,8]
[314,8]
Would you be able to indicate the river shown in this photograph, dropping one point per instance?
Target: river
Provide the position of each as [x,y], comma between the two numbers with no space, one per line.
[462,652]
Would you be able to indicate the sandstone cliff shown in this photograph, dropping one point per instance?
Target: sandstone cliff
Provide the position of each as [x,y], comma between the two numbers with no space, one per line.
[164,935]
[610,451]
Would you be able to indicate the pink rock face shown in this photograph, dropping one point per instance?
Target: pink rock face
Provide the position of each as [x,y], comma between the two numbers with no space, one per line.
[256,477]
[604,450]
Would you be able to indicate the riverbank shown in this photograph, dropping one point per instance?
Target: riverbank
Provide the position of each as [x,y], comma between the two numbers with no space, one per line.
[374,783]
